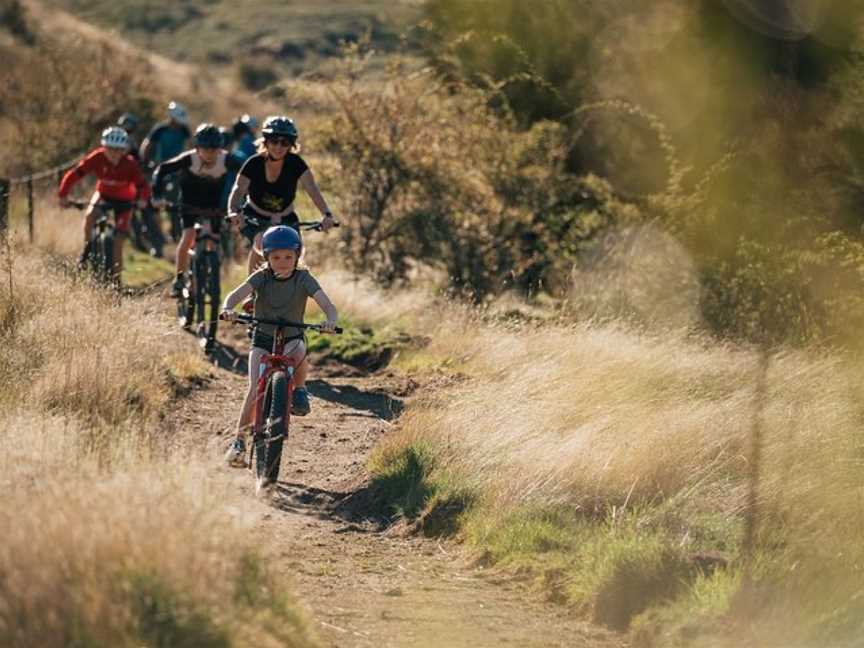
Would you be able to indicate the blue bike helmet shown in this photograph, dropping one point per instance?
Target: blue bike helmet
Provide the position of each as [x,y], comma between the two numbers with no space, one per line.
[281,237]
[208,136]
[128,122]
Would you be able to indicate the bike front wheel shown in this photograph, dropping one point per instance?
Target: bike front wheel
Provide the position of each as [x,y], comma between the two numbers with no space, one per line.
[274,430]
[102,258]
[185,305]
[207,296]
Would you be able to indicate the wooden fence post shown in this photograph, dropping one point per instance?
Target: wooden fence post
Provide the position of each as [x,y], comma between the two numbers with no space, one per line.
[4,204]
[30,207]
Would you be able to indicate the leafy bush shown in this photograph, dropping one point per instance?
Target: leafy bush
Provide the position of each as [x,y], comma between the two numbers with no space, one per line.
[440,178]
[732,130]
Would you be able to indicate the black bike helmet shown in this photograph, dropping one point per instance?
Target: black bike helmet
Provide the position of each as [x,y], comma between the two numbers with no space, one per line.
[208,136]
[128,122]
[279,126]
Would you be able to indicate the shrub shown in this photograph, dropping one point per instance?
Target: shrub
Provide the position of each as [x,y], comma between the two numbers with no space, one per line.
[437,177]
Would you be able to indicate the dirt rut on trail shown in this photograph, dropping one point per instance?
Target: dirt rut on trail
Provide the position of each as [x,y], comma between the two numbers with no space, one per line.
[365,584]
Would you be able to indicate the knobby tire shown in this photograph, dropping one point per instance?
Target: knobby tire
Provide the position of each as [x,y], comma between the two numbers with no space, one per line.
[214,297]
[268,440]
[186,304]
[102,258]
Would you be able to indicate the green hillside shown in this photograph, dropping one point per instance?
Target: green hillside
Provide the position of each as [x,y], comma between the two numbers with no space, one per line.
[296,34]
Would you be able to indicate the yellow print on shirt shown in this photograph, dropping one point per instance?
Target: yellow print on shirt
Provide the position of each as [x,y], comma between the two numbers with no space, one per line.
[272,203]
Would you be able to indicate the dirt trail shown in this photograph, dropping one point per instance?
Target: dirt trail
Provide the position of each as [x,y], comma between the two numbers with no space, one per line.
[365,584]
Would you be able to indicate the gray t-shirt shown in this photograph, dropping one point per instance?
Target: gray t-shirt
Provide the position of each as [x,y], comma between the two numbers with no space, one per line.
[281,298]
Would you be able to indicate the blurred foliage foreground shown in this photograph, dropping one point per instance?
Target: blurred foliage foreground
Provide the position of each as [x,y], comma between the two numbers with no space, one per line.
[676,164]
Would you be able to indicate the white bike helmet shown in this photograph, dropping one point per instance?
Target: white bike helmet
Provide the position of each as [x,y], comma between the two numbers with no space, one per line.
[115,137]
[178,113]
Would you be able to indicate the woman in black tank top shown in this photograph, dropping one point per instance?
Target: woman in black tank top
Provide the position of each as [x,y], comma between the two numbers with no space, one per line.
[268,182]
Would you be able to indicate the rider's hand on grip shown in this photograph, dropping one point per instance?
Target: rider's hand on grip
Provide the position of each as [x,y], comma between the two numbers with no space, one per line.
[234,220]
[330,327]
[328,222]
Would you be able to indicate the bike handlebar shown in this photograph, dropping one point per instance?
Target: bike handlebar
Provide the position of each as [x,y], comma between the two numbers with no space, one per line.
[207,212]
[104,203]
[314,225]
[251,319]
[302,225]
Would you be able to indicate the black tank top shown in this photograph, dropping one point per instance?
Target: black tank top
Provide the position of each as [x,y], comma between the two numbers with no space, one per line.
[273,197]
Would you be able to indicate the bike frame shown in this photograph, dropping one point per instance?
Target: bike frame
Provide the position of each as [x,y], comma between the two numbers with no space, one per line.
[270,364]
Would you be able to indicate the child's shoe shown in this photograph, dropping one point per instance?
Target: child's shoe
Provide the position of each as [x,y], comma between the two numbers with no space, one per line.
[300,405]
[236,455]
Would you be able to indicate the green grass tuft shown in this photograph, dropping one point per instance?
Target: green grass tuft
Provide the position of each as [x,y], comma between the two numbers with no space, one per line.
[141,269]
[359,345]
[402,478]
[162,616]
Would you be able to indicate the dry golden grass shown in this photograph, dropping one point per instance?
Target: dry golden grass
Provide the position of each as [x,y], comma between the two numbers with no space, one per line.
[610,424]
[109,539]
[76,350]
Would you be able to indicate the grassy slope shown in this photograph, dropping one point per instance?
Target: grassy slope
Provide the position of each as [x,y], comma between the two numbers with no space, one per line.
[223,31]
[613,469]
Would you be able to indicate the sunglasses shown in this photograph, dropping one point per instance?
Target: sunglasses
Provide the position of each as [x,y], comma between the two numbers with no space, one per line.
[282,141]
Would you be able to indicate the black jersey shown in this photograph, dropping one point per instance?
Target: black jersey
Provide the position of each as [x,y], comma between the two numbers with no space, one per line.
[273,197]
[201,186]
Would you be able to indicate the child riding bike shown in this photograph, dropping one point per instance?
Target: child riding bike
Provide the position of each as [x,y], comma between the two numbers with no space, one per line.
[202,172]
[280,290]
[267,182]
[119,178]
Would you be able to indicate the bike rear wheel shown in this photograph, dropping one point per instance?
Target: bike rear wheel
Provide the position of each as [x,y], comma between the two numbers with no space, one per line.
[137,223]
[270,437]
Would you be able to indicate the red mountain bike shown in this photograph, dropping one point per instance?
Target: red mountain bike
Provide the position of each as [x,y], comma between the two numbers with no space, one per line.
[272,406]
[98,255]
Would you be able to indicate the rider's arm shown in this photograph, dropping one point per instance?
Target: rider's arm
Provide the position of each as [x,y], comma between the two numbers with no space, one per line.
[182,161]
[327,306]
[146,150]
[237,295]
[86,166]
[238,194]
[150,141]
[311,188]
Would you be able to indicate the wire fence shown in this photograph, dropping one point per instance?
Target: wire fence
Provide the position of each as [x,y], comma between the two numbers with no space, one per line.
[27,182]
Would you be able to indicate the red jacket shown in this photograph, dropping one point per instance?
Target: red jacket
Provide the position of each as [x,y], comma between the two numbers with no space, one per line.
[125,181]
